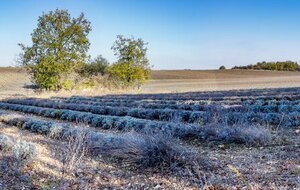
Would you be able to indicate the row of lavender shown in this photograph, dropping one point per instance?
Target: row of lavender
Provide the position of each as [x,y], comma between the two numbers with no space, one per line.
[251,135]
[132,148]
[227,117]
[145,150]
[211,114]
[202,101]
[216,95]
[256,106]
[236,101]
[126,123]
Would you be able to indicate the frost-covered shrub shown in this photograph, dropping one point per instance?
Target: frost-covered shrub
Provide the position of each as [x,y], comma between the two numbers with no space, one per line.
[5,143]
[134,124]
[96,122]
[294,118]
[24,152]
[179,116]
[200,117]
[141,150]
[85,118]
[133,112]
[233,118]
[55,131]
[108,123]
[166,115]
[250,135]
[270,108]
[253,135]
[274,118]
[122,111]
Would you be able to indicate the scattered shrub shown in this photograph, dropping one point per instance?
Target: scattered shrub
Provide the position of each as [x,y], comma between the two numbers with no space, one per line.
[24,152]
[5,143]
[250,135]
[142,150]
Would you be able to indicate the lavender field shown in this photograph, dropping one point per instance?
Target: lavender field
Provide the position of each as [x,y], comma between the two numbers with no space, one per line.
[192,134]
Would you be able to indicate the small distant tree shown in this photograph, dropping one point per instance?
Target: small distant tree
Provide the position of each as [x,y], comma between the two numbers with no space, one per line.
[59,46]
[132,67]
[222,67]
[96,67]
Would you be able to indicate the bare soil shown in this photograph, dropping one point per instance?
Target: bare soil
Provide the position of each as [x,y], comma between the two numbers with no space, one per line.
[213,80]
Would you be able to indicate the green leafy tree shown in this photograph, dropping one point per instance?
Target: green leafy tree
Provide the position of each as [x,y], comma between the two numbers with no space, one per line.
[59,47]
[96,67]
[132,67]
[127,75]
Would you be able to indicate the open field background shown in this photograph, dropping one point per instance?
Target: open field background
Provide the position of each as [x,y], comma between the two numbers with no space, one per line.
[16,81]
[211,80]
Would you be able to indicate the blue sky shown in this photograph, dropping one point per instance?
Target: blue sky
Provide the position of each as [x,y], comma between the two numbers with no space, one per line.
[182,34]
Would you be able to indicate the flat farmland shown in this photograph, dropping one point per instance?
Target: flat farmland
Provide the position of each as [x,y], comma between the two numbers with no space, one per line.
[211,80]
[16,81]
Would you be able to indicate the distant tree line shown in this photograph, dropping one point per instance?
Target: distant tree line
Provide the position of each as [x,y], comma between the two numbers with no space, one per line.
[272,66]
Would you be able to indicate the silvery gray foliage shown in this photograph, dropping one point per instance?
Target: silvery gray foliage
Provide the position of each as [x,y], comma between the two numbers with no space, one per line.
[264,94]
[24,152]
[6,143]
[141,150]
[249,135]
[56,131]
[132,148]
[104,121]
[162,114]
[230,118]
